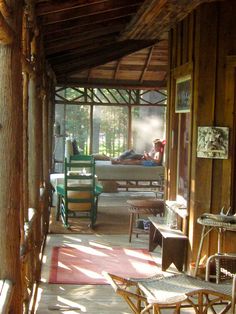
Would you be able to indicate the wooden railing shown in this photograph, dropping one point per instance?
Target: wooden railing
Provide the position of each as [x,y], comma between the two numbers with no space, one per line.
[6,290]
[32,248]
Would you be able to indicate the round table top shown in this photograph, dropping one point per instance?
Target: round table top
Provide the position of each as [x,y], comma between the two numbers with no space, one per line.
[146,203]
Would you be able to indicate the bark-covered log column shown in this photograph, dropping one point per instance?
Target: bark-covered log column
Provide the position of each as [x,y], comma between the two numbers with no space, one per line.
[11,152]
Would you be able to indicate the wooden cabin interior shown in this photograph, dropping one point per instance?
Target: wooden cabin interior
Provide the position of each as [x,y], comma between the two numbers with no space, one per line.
[184,51]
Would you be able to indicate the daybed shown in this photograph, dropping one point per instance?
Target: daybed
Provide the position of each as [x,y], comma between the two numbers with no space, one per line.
[130,176]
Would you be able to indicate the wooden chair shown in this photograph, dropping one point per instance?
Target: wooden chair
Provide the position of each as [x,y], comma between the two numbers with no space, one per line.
[78,196]
[178,291]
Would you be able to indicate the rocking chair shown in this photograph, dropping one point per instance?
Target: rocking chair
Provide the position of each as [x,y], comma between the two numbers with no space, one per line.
[78,196]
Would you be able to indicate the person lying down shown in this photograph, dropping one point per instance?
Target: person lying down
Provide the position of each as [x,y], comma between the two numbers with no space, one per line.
[153,158]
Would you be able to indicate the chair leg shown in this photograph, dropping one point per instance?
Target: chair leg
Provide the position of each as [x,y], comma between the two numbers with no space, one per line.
[58,207]
[136,218]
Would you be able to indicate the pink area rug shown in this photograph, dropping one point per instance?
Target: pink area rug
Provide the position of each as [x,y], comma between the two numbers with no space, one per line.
[84,264]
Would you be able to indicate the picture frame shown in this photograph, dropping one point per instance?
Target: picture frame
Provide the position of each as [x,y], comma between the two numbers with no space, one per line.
[183,95]
[213,142]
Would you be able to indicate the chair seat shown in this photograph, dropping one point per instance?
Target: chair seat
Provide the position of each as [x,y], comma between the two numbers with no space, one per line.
[98,188]
[172,289]
[175,291]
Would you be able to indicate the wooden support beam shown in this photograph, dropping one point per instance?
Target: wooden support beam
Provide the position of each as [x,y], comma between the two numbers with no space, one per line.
[156,17]
[11,156]
[88,20]
[121,84]
[6,32]
[27,66]
[6,291]
[49,7]
[4,9]
[92,11]
[117,69]
[147,63]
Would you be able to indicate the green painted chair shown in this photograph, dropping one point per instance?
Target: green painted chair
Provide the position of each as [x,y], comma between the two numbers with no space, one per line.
[78,196]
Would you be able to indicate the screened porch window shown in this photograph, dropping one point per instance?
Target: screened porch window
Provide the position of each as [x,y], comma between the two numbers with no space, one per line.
[110,130]
[108,121]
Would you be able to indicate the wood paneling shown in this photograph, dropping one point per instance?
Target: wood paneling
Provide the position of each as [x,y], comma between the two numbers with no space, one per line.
[205,39]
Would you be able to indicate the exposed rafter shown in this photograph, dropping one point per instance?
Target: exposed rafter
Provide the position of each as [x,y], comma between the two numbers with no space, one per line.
[147,63]
[104,55]
[156,17]
[83,39]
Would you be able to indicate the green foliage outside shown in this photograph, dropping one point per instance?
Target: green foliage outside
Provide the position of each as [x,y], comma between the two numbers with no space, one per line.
[109,122]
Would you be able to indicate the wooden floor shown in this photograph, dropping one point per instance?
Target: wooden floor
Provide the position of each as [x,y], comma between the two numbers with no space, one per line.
[99,299]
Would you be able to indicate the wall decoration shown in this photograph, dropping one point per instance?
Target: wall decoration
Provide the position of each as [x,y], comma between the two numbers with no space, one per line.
[213,142]
[183,94]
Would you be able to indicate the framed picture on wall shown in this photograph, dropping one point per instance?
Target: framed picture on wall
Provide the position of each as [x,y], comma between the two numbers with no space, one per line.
[183,94]
[213,142]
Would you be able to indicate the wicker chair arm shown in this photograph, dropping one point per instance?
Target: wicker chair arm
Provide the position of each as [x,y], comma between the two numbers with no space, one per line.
[221,258]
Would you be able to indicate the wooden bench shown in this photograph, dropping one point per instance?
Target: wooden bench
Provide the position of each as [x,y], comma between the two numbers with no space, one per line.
[173,243]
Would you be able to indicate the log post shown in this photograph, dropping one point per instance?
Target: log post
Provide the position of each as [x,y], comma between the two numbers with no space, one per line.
[46,164]
[6,33]
[11,157]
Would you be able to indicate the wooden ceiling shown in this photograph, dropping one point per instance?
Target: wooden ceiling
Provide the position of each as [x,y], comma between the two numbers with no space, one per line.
[110,43]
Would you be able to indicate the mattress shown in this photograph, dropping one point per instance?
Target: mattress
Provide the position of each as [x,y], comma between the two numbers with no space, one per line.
[105,170]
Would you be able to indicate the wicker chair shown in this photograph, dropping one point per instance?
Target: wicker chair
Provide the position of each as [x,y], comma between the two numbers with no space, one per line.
[179,291]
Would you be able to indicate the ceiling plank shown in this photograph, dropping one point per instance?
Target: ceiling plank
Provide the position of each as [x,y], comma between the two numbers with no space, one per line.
[152,68]
[157,16]
[48,7]
[86,32]
[76,43]
[102,18]
[89,10]
[106,54]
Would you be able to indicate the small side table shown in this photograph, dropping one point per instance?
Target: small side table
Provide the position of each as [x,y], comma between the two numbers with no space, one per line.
[209,224]
[143,207]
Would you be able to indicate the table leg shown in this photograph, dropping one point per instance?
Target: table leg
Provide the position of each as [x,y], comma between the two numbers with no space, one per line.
[171,249]
[204,233]
[131,219]
[155,238]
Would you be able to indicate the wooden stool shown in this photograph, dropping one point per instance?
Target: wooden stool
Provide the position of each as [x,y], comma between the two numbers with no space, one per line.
[145,207]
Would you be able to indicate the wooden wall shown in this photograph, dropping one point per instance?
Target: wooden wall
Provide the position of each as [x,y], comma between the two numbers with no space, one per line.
[204,45]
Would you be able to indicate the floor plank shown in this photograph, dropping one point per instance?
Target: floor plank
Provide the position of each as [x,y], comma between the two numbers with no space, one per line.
[99,299]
